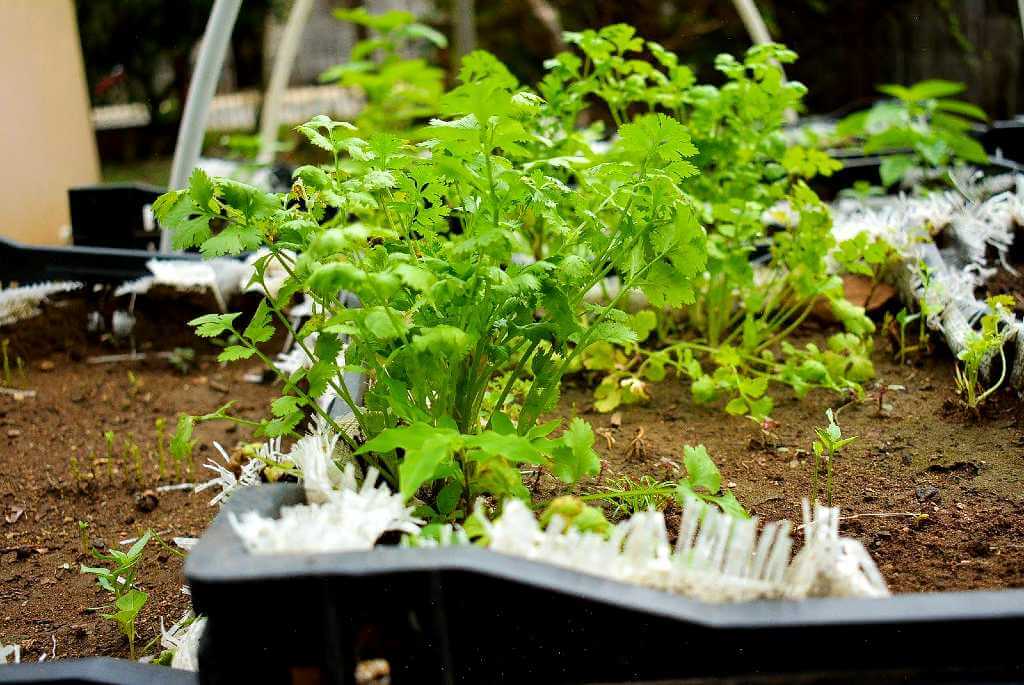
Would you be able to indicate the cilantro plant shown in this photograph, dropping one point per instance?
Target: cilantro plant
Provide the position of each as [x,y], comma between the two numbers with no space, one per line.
[729,341]
[704,482]
[867,256]
[118,579]
[424,235]
[399,91]
[923,125]
[981,347]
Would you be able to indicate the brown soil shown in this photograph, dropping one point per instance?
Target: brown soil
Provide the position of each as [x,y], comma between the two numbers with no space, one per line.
[1005,282]
[43,597]
[924,456]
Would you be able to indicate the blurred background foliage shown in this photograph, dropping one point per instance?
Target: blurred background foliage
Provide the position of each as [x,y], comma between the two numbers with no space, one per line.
[142,50]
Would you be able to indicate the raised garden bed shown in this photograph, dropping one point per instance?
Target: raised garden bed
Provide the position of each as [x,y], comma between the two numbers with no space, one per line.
[545,342]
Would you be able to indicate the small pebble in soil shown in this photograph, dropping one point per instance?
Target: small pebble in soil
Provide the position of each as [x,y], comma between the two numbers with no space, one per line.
[906,460]
[46,365]
[925,493]
[13,433]
[146,501]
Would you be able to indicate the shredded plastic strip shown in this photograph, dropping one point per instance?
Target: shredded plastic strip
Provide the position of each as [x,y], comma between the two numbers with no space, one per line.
[18,304]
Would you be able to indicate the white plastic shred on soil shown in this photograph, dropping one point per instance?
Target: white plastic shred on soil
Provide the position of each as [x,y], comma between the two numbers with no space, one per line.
[18,304]
[716,557]
[975,219]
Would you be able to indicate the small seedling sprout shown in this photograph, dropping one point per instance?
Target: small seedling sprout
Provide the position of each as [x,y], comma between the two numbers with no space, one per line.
[136,456]
[83,536]
[980,347]
[4,345]
[119,581]
[161,452]
[830,441]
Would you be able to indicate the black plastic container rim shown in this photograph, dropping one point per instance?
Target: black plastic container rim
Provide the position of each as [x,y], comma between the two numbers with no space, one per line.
[97,670]
[220,558]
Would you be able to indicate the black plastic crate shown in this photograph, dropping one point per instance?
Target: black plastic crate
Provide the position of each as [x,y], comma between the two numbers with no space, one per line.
[1005,138]
[115,215]
[469,615]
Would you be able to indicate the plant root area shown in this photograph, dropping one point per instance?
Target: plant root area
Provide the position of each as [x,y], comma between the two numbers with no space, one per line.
[46,605]
[932,491]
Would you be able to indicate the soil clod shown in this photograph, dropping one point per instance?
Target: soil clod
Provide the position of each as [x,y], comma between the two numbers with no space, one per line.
[146,501]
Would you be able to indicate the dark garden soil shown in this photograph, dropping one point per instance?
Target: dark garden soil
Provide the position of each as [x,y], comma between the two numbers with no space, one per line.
[44,601]
[934,493]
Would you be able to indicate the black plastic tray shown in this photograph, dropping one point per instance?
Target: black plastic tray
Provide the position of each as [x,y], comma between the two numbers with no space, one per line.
[94,671]
[865,168]
[468,615]
[27,264]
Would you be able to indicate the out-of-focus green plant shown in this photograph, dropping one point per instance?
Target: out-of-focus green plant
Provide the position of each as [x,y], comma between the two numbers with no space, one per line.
[399,90]
[923,125]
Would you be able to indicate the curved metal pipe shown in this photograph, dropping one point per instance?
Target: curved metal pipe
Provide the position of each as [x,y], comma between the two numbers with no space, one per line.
[284,60]
[200,93]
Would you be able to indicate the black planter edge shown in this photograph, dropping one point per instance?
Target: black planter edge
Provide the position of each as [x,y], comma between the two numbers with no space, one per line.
[98,670]
[30,264]
[220,559]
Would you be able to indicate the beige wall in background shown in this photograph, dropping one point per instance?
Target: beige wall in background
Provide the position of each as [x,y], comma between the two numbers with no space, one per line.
[46,139]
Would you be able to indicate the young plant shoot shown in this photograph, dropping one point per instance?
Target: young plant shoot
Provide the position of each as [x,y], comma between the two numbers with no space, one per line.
[981,347]
[118,579]
[826,448]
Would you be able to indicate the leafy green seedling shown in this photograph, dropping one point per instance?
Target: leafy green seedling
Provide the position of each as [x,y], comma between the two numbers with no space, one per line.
[398,90]
[704,482]
[903,320]
[119,581]
[108,439]
[135,454]
[830,441]
[872,257]
[182,359]
[127,608]
[980,347]
[182,445]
